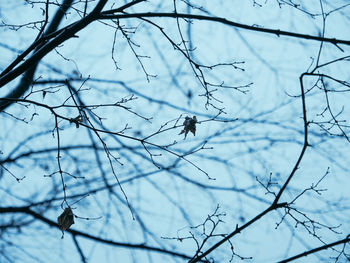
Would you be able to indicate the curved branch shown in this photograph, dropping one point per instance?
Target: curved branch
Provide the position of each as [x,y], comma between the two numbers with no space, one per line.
[30,64]
[275,204]
[105,15]
[305,145]
[68,32]
[324,247]
[27,78]
[27,210]
[36,44]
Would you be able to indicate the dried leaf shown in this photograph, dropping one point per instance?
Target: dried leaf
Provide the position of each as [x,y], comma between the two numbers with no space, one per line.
[189,126]
[76,120]
[66,219]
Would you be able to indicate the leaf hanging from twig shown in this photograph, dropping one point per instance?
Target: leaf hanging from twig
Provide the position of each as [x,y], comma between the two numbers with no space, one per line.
[66,219]
[76,120]
[189,126]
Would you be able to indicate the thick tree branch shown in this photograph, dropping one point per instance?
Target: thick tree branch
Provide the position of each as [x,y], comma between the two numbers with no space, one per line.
[312,251]
[75,233]
[275,204]
[27,78]
[305,145]
[235,232]
[39,41]
[105,15]
[70,31]
[30,64]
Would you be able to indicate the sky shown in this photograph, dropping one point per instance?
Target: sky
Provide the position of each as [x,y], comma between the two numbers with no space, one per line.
[140,86]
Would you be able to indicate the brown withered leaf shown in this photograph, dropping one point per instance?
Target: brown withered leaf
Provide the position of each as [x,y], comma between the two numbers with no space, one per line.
[66,219]
[189,126]
[76,120]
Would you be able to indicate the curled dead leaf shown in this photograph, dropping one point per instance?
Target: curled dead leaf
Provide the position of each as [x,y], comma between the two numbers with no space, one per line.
[189,126]
[76,120]
[66,219]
